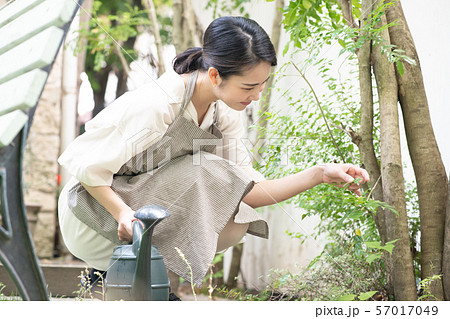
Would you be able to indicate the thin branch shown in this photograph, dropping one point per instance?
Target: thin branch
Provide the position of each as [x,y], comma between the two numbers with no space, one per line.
[373,188]
[346,6]
[122,59]
[191,17]
[321,110]
[151,11]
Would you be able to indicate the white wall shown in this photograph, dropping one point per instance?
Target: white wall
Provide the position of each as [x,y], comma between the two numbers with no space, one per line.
[430,28]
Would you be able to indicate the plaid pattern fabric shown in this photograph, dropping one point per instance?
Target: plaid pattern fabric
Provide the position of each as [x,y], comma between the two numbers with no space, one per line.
[201,191]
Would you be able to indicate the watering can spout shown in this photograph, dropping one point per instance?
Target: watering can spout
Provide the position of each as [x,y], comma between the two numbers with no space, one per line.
[150,216]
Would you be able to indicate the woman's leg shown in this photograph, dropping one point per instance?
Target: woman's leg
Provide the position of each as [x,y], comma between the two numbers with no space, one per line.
[81,240]
[174,281]
[231,234]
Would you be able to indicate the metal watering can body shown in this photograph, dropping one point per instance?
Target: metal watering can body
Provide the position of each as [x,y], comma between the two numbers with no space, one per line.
[137,271]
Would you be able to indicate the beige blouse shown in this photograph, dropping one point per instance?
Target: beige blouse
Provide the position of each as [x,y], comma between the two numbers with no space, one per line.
[139,119]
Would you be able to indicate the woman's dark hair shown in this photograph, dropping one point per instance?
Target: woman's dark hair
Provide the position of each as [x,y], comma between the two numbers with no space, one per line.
[231,45]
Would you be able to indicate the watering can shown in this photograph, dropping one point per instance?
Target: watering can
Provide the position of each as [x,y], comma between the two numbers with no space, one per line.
[137,270]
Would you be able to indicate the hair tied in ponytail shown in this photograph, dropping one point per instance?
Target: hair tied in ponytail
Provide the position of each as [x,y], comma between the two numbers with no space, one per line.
[231,45]
[189,61]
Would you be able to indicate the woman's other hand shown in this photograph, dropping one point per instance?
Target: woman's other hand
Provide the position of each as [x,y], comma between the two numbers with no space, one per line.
[342,174]
[125,228]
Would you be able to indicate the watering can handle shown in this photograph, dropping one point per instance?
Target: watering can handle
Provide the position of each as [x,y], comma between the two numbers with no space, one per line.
[150,215]
[138,231]
[145,220]
[142,242]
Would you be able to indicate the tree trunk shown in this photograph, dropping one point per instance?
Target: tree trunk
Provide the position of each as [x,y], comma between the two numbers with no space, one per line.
[426,158]
[446,255]
[150,8]
[85,16]
[218,281]
[191,22]
[235,266]
[265,95]
[392,173]
[101,77]
[365,140]
[177,22]
[347,12]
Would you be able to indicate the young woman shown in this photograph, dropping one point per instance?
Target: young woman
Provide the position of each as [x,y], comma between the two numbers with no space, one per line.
[176,142]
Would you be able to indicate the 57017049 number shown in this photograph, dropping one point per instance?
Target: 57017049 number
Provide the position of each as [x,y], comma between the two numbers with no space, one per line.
[406,310]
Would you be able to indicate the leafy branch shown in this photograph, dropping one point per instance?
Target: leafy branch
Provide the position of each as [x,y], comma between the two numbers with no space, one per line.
[321,110]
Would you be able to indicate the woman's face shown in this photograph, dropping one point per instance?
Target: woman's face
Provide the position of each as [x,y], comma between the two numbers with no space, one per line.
[238,91]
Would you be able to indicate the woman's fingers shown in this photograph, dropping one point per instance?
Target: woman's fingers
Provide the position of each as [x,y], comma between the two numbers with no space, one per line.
[358,172]
[125,229]
[341,175]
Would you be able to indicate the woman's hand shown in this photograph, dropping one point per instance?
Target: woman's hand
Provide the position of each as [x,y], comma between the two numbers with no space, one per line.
[125,229]
[342,174]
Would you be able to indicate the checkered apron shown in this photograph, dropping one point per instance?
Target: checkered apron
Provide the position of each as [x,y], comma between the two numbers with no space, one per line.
[202,192]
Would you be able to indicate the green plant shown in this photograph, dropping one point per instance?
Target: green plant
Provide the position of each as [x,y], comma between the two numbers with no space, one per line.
[112,25]
[227,7]
[86,289]
[425,287]
[11,297]
[321,126]
[388,247]
[183,257]
[327,278]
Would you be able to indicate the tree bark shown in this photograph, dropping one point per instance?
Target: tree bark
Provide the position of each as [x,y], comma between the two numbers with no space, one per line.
[426,158]
[392,173]
[150,8]
[177,22]
[191,21]
[235,266]
[365,140]
[346,6]
[101,77]
[218,281]
[85,16]
[265,95]
[446,255]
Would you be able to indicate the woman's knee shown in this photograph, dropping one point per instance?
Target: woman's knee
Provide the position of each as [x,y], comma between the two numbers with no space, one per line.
[231,234]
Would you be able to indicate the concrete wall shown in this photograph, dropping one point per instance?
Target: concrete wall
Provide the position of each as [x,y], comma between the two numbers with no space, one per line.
[40,166]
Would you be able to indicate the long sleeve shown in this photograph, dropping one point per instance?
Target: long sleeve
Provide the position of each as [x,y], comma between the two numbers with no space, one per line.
[132,122]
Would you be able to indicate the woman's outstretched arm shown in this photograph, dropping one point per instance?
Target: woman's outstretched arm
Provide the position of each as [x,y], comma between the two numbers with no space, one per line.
[270,192]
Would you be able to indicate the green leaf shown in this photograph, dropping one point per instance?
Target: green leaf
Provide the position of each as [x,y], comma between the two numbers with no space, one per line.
[399,66]
[373,257]
[307,4]
[356,3]
[347,298]
[366,295]
[373,244]
[341,42]
[389,248]
[392,241]
[289,17]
